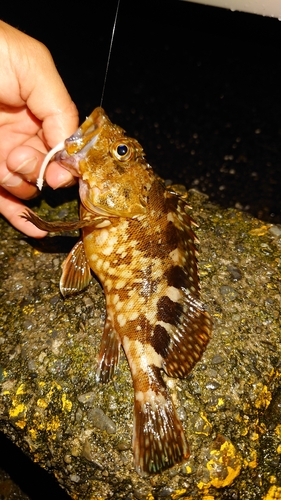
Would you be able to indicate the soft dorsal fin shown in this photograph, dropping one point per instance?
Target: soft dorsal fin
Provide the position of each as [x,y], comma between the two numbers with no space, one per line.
[188,338]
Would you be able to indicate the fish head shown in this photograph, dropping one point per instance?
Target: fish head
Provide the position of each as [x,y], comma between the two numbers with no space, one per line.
[114,177]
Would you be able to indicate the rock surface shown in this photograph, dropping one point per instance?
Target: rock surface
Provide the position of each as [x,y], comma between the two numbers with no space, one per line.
[230,405]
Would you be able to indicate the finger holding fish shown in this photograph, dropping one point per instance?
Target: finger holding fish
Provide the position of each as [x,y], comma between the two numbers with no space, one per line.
[18,178]
[22,169]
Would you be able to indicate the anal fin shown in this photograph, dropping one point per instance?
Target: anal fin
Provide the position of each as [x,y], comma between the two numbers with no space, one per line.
[76,271]
[109,353]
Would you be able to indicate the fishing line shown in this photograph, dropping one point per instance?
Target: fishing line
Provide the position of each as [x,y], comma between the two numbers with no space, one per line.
[109,53]
[60,146]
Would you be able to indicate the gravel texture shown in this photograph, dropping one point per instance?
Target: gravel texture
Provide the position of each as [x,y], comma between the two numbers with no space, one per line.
[52,408]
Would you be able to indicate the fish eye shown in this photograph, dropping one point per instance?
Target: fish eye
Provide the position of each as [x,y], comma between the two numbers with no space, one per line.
[122,150]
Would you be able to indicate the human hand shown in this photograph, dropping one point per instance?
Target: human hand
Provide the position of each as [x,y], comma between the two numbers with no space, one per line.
[36,113]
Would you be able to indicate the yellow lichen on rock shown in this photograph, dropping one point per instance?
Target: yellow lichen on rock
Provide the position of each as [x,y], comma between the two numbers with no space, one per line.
[206,427]
[33,434]
[149,497]
[28,310]
[274,493]
[53,426]
[17,409]
[42,403]
[188,469]
[178,494]
[277,430]
[253,462]
[259,231]
[66,403]
[20,423]
[264,397]
[224,465]
[21,390]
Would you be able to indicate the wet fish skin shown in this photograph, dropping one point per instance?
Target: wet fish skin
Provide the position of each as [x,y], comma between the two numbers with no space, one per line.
[138,239]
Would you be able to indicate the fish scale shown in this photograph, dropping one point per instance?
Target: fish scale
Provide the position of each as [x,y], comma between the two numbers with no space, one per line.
[138,239]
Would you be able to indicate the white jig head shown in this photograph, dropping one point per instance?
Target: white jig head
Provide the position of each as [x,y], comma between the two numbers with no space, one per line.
[45,163]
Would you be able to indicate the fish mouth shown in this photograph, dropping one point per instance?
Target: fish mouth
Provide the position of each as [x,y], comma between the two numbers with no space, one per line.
[71,160]
[79,143]
[74,149]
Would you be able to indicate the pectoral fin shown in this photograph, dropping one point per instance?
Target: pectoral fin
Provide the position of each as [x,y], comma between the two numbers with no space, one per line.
[59,226]
[76,271]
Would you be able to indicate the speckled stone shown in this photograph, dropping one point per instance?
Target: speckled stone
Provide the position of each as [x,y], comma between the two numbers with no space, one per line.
[52,407]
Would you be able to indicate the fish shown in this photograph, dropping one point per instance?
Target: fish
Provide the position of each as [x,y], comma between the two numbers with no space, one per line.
[138,239]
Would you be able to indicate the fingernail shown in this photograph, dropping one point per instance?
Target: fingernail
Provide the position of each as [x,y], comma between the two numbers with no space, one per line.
[11,180]
[28,166]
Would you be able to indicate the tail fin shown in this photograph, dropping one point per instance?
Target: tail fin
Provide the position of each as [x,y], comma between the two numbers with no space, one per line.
[158,440]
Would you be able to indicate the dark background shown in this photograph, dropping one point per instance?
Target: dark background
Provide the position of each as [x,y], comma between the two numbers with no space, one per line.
[198,86]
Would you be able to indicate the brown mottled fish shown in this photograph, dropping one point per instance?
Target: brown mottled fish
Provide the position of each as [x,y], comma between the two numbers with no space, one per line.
[137,238]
